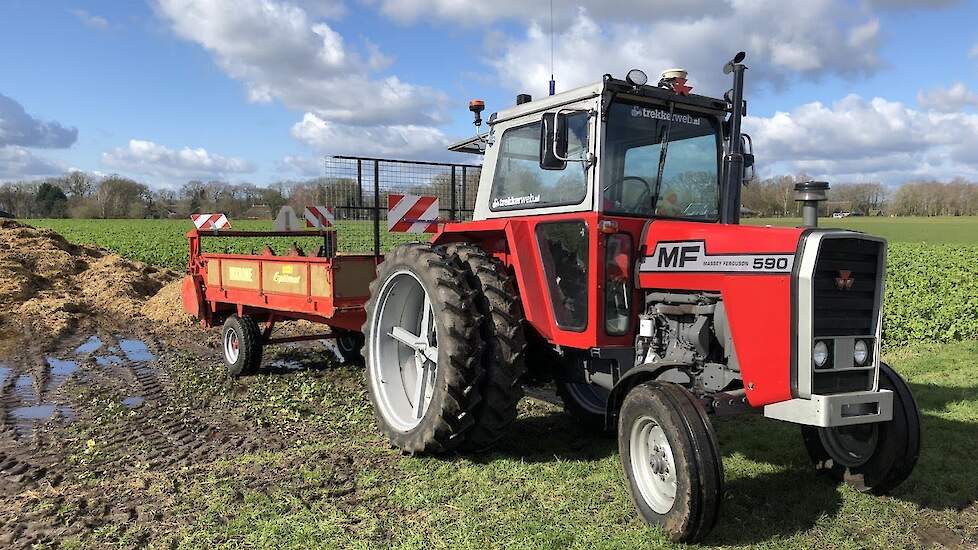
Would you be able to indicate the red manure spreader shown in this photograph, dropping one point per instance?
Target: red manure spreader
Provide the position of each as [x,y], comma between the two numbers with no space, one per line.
[601,250]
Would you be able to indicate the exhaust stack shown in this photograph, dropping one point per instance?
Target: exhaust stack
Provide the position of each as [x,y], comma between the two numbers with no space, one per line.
[809,194]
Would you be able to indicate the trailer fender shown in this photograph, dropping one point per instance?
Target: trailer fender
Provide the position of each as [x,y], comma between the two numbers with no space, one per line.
[668,372]
[193,297]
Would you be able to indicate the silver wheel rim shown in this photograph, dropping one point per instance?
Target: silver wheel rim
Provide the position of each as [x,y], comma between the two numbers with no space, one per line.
[591,398]
[653,465]
[232,346]
[403,351]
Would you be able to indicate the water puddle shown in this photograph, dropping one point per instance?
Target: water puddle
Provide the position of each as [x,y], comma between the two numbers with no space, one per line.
[286,364]
[90,345]
[34,412]
[133,401]
[136,350]
[62,367]
[24,388]
[108,360]
[4,373]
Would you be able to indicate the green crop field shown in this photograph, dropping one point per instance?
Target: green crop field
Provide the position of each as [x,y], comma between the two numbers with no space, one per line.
[932,284]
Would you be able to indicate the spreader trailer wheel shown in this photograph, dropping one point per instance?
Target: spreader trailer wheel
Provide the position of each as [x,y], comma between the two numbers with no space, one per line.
[241,341]
[349,343]
[873,457]
[423,349]
[671,460]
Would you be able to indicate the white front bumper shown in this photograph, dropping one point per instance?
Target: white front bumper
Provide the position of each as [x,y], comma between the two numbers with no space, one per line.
[842,409]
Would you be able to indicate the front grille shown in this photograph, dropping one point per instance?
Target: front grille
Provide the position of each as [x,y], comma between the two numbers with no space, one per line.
[844,309]
[828,382]
[848,311]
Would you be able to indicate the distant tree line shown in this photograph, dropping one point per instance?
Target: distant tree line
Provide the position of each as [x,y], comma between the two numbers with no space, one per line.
[774,197]
[81,195]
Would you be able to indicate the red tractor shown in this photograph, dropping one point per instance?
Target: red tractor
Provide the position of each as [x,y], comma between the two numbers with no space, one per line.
[605,254]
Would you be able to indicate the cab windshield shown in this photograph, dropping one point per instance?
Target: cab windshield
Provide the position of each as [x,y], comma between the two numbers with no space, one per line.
[631,163]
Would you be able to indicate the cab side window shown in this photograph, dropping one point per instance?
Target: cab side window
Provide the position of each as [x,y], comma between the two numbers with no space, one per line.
[519,182]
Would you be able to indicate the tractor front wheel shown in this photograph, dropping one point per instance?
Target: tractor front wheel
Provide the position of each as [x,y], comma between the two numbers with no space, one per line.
[241,341]
[873,458]
[671,460]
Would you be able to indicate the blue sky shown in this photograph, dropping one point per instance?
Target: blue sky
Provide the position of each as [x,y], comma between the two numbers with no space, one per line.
[259,90]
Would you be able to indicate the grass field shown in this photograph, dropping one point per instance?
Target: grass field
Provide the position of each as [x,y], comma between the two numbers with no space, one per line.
[549,484]
[941,229]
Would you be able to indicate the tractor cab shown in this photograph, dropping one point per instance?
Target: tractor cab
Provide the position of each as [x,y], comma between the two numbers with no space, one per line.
[618,147]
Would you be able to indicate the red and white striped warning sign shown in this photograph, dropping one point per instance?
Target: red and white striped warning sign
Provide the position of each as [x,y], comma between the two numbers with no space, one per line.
[210,221]
[319,216]
[412,214]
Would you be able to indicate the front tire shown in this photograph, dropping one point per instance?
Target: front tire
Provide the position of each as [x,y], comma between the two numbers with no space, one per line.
[241,343]
[873,458]
[423,349]
[671,460]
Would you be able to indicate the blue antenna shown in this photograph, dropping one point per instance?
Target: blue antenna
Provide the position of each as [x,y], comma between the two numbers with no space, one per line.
[553,83]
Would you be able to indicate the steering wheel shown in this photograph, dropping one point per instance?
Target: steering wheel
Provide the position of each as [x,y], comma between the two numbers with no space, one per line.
[644,198]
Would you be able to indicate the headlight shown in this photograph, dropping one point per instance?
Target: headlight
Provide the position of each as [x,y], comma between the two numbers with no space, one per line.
[861,352]
[820,353]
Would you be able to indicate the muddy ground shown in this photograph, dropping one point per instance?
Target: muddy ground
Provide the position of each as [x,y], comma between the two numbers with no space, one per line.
[111,398]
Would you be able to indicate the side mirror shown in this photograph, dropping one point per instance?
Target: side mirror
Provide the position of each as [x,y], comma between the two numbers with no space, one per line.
[553,142]
[748,148]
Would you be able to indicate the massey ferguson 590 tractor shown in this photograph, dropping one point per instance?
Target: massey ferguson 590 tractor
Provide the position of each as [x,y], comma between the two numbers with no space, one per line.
[605,254]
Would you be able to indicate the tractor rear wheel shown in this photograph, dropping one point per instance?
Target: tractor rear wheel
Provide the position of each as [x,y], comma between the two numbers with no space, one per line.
[671,460]
[350,344]
[241,339]
[503,358]
[873,458]
[423,349]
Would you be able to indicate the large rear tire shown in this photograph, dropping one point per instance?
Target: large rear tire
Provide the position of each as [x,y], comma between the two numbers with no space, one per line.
[671,460]
[241,343]
[873,458]
[423,349]
[503,359]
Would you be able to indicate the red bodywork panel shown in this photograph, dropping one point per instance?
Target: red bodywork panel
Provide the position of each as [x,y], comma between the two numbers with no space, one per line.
[758,305]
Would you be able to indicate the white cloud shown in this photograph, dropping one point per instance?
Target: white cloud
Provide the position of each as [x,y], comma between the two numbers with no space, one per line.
[89,20]
[947,99]
[399,141]
[148,158]
[18,162]
[305,166]
[280,52]
[809,39]
[863,139]
[973,52]
[473,13]
[913,4]
[17,127]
